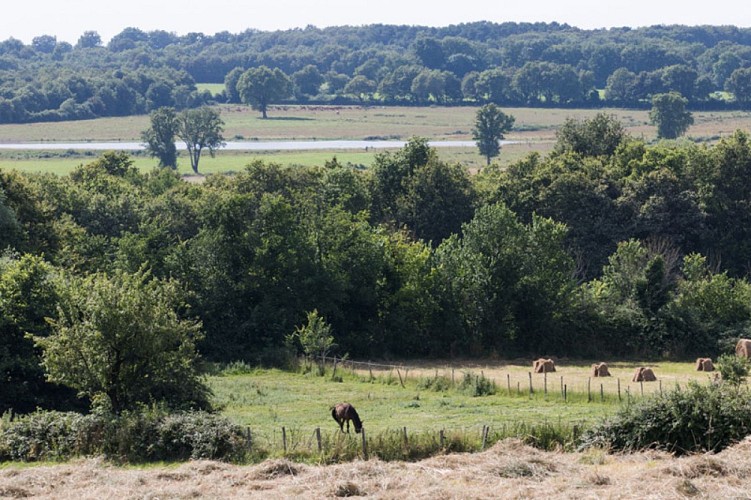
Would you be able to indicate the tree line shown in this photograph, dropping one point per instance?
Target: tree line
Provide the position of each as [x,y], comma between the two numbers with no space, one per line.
[521,64]
[607,247]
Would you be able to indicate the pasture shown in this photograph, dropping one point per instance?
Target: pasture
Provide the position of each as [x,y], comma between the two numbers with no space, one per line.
[426,398]
[534,130]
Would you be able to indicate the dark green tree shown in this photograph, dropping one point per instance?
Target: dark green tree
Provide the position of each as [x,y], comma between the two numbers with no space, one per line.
[200,129]
[160,137]
[670,115]
[598,136]
[739,83]
[262,86]
[490,126]
[230,84]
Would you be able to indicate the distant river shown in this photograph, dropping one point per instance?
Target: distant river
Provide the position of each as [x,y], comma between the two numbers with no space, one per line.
[241,146]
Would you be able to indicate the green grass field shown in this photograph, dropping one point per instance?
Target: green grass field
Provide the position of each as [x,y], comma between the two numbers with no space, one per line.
[389,400]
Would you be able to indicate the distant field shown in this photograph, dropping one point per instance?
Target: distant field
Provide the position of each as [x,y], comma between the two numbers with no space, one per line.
[535,130]
[214,88]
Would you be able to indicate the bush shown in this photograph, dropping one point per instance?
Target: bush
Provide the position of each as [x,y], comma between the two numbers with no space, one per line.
[477,385]
[733,369]
[698,419]
[149,435]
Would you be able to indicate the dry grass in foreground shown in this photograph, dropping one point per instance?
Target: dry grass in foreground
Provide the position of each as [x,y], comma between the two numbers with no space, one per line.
[508,470]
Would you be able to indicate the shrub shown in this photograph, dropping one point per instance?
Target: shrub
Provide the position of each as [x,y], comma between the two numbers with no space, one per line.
[147,435]
[477,385]
[733,369]
[697,419]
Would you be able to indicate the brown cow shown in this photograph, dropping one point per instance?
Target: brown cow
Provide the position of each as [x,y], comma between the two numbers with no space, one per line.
[643,374]
[344,412]
[543,365]
[600,370]
[704,365]
[743,348]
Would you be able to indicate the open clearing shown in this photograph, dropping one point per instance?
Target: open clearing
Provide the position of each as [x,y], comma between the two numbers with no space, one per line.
[507,470]
[534,130]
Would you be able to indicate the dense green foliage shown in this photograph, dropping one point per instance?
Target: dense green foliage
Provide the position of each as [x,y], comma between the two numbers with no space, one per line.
[613,249]
[699,418]
[510,63]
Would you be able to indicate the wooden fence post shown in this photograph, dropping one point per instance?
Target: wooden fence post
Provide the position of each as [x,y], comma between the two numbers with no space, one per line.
[248,438]
[508,383]
[641,384]
[364,445]
[284,439]
[318,438]
[565,393]
[406,441]
[561,385]
[589,389]
[531,391]
[602,394]
[619,390]
[485,430]
[545,382]
[452,376]
[441,437]
[400,377]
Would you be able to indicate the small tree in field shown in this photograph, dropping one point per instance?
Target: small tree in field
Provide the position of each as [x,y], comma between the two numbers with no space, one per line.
[160,137]
[490,125]
[315,339]
[670,116]
[200,129]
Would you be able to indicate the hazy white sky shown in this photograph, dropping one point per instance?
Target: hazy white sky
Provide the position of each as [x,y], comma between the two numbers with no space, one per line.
[68,19]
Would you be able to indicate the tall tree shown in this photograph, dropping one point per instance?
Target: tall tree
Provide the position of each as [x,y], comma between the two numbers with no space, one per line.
[261,86]
[670,115]
[200,129]
[490,125]
[160,137]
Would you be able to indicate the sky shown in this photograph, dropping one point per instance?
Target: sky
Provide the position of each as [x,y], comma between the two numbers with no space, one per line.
[68,19]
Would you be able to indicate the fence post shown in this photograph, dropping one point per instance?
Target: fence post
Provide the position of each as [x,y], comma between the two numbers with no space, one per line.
[364,445]
[452,376]
[561,385]
[602,394]
[589,389]
[400,377]
[441,437]
[284,439]
[641,384]
[485,430]
[545,382]
[660,387]
[248,438]
[318,438]
[565,393]
[406,441]
[508,383]
[531,391]
[619,390]
[518,388]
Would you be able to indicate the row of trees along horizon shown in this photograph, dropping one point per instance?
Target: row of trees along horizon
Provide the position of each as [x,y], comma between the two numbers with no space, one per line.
[606,248]
[521,64]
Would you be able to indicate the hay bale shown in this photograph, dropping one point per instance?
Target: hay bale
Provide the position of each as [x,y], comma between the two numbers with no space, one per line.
[643,374]
[704,365]
[743,348]
[600,370]
[543,365]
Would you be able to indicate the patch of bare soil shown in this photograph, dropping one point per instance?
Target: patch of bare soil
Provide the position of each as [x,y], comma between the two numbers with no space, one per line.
[508,470]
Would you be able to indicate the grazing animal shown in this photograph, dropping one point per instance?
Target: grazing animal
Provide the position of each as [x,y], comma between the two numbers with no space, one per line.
[344,412]
[743,348]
